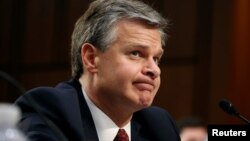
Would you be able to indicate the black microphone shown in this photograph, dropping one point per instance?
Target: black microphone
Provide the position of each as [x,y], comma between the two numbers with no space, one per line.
[228,107]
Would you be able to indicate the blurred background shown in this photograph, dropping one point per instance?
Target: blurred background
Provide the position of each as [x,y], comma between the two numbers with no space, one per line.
[206,57]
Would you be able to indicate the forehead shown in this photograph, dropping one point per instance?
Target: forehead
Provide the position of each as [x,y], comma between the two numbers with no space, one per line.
[136,31]
[133,25]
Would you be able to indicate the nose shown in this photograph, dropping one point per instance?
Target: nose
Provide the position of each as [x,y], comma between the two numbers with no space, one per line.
[151,69]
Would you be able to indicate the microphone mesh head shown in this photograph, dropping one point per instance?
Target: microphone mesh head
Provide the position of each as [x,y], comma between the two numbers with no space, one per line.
[228,107]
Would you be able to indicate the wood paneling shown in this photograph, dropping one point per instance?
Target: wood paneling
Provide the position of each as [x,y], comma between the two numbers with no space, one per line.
[35,49]
[240,67]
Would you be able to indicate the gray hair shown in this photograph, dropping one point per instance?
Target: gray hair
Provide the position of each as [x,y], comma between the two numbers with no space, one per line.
[97,26]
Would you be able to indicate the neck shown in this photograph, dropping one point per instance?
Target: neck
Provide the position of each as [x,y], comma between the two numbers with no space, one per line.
[119,117]
[118,113]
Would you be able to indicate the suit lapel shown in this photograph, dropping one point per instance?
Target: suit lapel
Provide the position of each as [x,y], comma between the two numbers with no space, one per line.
[90,133]
[135,128]
[137,133]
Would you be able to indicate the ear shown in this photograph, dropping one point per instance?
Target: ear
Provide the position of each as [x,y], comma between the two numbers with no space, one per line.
[88,53]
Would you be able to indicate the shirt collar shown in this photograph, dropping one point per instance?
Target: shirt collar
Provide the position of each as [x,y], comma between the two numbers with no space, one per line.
[106,128]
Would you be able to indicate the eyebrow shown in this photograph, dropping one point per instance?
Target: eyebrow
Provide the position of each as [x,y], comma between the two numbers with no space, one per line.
[160,52]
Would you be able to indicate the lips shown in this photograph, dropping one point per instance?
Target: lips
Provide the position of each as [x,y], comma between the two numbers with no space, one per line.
[144,85]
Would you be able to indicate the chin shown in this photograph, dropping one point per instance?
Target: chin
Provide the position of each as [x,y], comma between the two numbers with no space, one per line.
[145,103]
[144,100]
[147,99]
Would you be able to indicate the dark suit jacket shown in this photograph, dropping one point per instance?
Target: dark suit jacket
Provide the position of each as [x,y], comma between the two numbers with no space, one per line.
[61,113]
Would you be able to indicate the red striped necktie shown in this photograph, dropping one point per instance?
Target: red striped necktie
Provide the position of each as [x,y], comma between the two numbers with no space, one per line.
[121,136]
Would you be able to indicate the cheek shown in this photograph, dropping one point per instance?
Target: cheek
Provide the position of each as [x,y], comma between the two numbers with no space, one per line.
[126,67]
[118,71]
[158,83]
[126,71]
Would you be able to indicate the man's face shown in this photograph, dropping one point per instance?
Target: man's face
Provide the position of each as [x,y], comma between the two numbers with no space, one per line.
[128,72]
[194,134]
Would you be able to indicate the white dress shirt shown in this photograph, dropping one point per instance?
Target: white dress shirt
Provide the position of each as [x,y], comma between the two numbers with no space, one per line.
[106,128]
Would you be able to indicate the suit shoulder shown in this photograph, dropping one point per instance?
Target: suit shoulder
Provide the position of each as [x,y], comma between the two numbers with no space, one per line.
[159,122]
[57,97]
[159,115]
[154,113]
[50,93]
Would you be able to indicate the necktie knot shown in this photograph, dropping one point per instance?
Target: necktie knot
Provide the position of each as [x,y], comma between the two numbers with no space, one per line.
[121,135]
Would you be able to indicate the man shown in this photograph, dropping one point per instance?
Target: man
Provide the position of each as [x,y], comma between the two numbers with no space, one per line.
[116,48]
[192,129]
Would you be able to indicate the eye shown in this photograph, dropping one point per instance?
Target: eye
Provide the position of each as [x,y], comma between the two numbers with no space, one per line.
[157,60]
[135,53]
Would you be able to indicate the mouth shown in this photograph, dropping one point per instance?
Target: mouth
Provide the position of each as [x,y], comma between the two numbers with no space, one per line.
[144,86]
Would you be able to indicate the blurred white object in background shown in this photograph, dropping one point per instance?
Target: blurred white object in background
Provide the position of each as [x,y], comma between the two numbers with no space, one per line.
[9,117]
